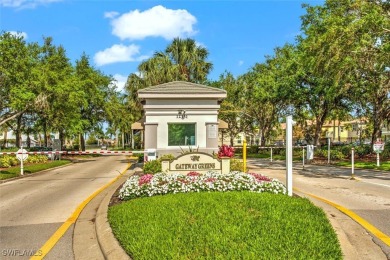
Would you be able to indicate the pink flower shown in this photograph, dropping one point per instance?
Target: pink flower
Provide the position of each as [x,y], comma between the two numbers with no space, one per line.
[260,177]
[226,151]
[195,174]
[210,179]
[144,179]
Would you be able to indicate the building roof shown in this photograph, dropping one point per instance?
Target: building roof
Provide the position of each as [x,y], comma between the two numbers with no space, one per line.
[181,89]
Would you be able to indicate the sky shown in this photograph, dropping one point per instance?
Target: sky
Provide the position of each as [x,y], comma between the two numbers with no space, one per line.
[118,34]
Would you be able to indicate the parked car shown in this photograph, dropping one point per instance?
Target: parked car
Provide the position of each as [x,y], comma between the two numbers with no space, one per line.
[300,142]
[279,143]
[103,147]
[361,142]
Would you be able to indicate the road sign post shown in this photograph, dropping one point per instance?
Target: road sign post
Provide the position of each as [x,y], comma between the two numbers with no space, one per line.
[21,156]
[378,147]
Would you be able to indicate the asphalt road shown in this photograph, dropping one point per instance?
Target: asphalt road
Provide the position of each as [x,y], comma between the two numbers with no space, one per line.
[368,196]
[34,207]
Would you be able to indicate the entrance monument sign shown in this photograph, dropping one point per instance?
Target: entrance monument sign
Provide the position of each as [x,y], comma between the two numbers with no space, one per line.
[199,162]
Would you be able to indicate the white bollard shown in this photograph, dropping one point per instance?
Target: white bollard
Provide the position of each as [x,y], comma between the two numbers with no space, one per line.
[289,155]
[353,163]
[328,150]
[377,160]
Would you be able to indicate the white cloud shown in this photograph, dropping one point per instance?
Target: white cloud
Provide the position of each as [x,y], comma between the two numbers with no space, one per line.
[23,34]
[240,63]
[110,14]
[155,22]
[120,81]
[118,53]
[26,3]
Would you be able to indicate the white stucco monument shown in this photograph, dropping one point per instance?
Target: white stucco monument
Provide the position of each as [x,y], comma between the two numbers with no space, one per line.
[181,116]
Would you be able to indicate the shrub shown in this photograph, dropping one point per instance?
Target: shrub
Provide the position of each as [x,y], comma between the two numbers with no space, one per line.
[386,152]
[345,150]
[152,167]
[238,150]
[321,152]
[37,159]
[7,161]
[362,150]
[254,149]
[336,155]
[236,165]
[140,157]
[168,156]
[279,151]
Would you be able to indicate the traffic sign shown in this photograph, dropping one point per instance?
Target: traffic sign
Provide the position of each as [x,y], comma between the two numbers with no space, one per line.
[22,154]
[378,146]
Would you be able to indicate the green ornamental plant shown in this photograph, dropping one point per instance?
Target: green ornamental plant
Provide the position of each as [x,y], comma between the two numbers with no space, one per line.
[7,161]
[36,159]
[152,167]
[236,165]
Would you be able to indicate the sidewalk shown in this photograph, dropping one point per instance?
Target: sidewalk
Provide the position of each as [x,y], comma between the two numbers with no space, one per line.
[92,236]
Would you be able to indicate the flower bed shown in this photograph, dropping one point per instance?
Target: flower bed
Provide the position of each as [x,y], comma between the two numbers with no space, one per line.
[158,184]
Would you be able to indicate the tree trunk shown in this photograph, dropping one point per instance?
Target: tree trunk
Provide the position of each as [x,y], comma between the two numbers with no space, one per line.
[320,119]
[62,138]
[28,140]
[5,139]
[18,131]
[339,131]
[262,139]
[377,131]
[44,133]
[82,142]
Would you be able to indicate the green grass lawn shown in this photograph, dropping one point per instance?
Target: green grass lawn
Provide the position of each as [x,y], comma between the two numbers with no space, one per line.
[384,166]
[230,225]
[29,169]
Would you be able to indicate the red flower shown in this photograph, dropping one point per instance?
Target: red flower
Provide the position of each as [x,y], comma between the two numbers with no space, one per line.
[226,151]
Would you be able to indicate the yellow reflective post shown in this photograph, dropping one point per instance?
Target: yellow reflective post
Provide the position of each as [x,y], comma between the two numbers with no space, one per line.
[244,155]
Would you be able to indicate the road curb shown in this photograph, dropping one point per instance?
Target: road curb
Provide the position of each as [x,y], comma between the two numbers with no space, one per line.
[333,216]
[109,245]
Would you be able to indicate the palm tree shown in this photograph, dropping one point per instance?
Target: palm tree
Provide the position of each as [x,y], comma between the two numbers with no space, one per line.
[190,58]
[182,60]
